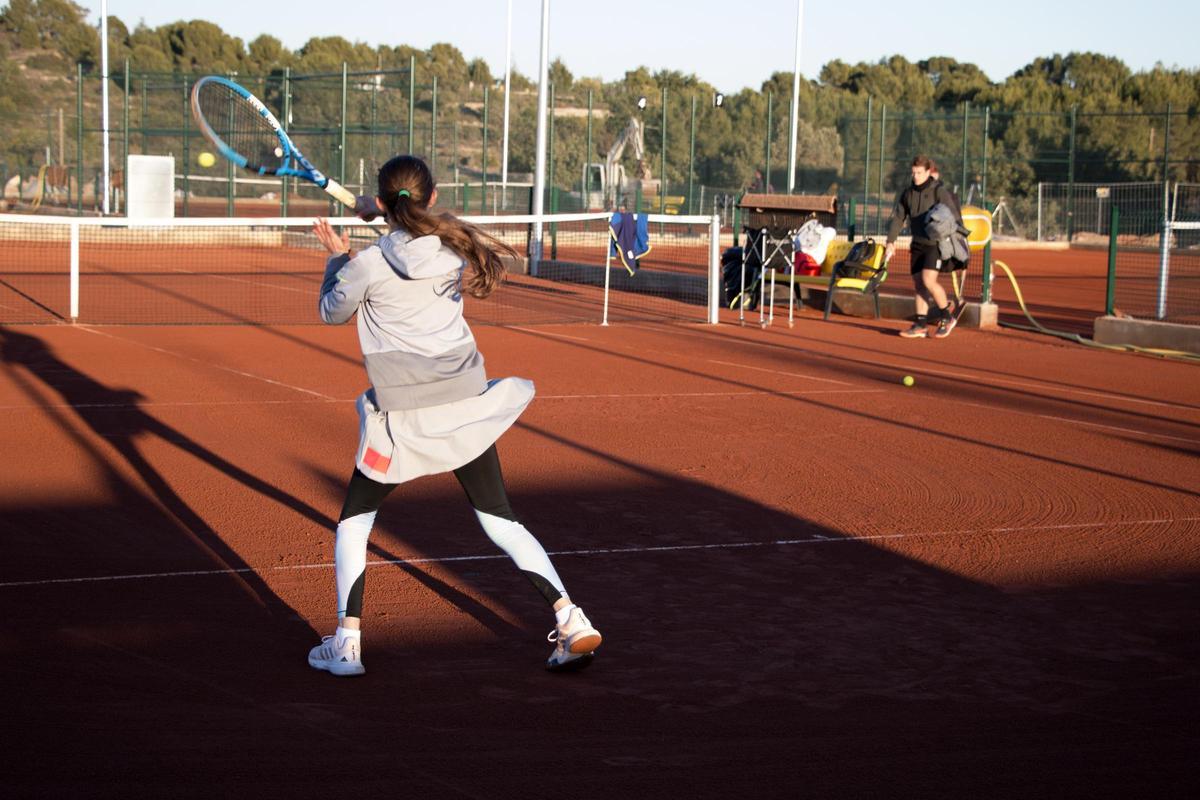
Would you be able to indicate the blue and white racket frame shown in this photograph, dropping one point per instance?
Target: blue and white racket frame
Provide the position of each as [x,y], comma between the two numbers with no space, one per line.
[292,162]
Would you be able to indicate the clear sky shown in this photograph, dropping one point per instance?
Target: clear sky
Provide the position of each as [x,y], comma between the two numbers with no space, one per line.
[729,43]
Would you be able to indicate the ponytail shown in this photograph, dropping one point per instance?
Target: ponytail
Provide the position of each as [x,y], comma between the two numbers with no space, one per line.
[406,186]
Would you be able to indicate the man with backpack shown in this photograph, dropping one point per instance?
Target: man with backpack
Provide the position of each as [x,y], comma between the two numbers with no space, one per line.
[913,205]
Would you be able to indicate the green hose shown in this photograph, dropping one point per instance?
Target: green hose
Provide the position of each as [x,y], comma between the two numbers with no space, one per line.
[1037,327]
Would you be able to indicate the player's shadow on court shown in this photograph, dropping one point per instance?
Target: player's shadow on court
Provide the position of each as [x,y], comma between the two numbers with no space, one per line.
[115,415]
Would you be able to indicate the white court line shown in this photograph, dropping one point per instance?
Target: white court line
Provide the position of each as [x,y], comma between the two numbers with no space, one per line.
[329,400]
[547,333]
[169,404]
[814,539]
[764,392]
[922,368]
[206,363]
[272,286]
[779,372]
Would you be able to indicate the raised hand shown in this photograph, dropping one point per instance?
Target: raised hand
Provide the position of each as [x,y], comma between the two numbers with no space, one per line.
[336,245]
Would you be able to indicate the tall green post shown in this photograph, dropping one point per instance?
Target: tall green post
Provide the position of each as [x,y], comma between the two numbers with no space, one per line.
[1071,178]
[662,158]
[125,137]
[691,199]
[79,138]
[342,126]
[484,158]
[867,163]
[587,159]
[987,122]
[230,178]
[965,163]
[879,196]
[852,227]
[1114,227]
[767,174]
[549,199]
[284,185]
[433,129]
[145,112]
[412,99]
[374,114]
[187,147]
[1167,146]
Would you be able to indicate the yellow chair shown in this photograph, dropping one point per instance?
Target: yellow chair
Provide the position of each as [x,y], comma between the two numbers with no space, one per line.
[864,278]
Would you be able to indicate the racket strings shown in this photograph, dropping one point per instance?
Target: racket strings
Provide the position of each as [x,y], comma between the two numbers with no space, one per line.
[239,125]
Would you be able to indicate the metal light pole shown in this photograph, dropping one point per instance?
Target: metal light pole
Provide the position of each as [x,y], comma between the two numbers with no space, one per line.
[507,92]
[791,182]
[104,98]
[539,173]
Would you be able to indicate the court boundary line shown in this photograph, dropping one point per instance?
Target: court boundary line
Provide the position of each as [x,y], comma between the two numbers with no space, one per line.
[213,365]
[335,400]
[813,539]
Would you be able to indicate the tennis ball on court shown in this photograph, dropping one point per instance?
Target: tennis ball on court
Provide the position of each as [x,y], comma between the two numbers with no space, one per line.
[908,380]
[206,159]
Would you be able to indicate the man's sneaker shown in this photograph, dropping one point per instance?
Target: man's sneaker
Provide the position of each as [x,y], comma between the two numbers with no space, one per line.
[918,330]
[338,657]
[944,327]
[574,643]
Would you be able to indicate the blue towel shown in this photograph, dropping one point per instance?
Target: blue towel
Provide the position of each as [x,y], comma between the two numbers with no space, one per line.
[630,238]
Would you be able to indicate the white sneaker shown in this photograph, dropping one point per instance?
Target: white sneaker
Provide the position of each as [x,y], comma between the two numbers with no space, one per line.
[574,643]
[338,657]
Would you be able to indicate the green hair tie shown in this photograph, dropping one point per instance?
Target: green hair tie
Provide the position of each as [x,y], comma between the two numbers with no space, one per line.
[404,193]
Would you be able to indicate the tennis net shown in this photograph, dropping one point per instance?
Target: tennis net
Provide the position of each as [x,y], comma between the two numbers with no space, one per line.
[244,271]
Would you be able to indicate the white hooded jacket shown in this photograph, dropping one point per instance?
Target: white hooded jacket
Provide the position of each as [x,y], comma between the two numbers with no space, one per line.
[418,348]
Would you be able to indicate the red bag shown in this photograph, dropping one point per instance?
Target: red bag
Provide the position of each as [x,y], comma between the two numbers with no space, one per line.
[805,265]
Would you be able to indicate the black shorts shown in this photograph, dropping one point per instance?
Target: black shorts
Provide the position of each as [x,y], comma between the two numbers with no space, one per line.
[924,256]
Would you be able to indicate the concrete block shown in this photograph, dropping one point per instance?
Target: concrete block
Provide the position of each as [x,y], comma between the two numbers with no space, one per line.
[1147,333]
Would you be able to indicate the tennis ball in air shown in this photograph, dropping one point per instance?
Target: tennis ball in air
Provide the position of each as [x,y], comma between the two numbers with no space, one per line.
[279,152]
[908,380]
[206,159]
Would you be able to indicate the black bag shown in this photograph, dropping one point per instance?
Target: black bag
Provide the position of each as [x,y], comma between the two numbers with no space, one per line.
[731,278]
[864,260]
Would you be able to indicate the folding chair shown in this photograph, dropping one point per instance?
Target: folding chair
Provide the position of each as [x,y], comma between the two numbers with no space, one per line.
[859,277]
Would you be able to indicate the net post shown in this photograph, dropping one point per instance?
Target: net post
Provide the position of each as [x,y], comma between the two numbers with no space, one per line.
[74,283]
[1114,222]
[714,268]
[985,291]
[1164,256]
[762,275]
[607,266]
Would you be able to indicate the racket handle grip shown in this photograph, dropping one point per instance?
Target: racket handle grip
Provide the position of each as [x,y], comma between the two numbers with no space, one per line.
[340,193]
[365,208]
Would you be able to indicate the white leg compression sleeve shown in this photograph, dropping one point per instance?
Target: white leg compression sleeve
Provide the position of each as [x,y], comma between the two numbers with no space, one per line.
[525,550]
[350,562]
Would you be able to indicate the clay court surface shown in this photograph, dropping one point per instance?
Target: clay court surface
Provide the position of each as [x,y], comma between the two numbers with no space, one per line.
[811,580]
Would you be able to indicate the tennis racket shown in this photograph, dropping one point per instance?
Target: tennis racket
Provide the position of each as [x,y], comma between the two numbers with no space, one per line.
[245,132]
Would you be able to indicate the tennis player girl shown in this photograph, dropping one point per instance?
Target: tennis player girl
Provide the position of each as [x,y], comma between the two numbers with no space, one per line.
[430,408]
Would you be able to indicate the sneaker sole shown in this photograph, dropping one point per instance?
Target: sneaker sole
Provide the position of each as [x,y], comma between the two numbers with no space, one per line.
[346,671]
[585,644]
[949,330]
[574,665]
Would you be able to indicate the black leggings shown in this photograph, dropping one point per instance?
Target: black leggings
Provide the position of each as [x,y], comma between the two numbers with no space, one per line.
[481,479]
[483,482]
